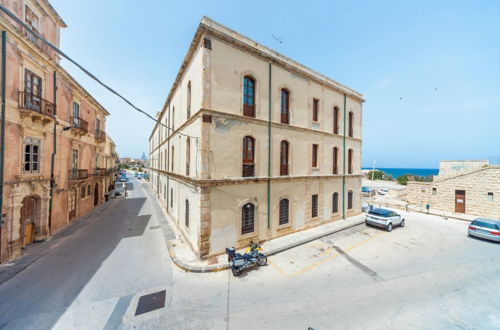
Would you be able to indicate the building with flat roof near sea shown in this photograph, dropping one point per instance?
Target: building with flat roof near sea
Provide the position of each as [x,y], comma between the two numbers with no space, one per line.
[253,145]
[464,186]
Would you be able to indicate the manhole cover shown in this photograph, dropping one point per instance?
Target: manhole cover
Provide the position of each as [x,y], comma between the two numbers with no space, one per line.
[151,302]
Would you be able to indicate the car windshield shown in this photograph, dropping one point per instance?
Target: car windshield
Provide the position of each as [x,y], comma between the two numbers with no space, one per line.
[485,224]
[382,213]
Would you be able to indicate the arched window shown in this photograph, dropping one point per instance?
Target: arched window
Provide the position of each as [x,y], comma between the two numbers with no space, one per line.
[349,200]
[284,158]
[335,120]
[186,214]
[173,119]
[349,161]
[351,124]
[248,96]
[285,106]
[284,205]
[247,218]
[335,202]
[171,197]
[172,160]
[335,160]
[188,155]
[188,100]
[248,156]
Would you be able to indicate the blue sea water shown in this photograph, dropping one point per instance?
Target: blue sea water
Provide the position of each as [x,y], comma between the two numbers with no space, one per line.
[395,172]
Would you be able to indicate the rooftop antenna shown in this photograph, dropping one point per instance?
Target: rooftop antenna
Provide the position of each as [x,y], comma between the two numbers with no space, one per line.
[277,39]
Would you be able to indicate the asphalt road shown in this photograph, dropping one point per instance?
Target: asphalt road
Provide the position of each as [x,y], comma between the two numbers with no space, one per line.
[428,274]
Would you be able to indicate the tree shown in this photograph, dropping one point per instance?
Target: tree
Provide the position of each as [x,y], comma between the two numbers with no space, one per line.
[376,175]
[402,179]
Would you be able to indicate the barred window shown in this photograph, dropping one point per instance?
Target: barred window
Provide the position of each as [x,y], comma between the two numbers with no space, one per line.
[247,218]
[349,200]
[248,169]
[314,206]
[335,202]
[186,220]
[31,155]
[284,211]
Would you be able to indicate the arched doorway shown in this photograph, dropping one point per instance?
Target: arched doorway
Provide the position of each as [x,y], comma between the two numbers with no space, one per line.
[28,218]
[96,194]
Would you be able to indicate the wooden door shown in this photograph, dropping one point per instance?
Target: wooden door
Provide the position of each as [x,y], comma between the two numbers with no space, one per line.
[72,204]
[28,213]
[96,194]
[460,201]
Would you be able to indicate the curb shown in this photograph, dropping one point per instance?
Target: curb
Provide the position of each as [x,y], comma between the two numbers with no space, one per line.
[217,268]
[394,206]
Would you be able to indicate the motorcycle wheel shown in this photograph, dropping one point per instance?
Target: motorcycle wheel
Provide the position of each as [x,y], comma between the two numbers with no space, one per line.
[261,260]
[237,271]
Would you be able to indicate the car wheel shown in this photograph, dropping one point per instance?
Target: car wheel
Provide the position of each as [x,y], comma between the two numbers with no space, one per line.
[389,227]
[402,224]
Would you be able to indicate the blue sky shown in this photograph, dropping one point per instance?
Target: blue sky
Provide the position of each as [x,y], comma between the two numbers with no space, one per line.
[429,70]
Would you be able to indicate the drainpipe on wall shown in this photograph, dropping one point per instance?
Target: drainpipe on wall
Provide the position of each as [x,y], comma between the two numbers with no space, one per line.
[53,157]
[343,167]
[2,133]
[269,155]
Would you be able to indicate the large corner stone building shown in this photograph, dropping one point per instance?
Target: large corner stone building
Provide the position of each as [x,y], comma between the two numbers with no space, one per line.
[253,145]
[464,186]
[59,162]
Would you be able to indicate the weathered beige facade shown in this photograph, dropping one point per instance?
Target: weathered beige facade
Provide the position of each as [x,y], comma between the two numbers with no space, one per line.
[471,187]
[250,152]
[58,159]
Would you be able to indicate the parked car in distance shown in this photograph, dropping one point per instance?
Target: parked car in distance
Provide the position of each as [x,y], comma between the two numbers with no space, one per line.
[123,178]
[365,189]
[485,228]
[384,218]
[383,191]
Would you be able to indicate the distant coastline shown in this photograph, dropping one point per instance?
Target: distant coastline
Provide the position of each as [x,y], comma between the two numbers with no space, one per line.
[395,172]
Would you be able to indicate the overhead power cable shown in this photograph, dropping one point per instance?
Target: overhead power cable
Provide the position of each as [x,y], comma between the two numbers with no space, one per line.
[88,73]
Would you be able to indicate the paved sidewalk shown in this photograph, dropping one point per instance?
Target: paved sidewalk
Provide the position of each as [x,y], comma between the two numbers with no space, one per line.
[38,250]
[183,256]
[402,205]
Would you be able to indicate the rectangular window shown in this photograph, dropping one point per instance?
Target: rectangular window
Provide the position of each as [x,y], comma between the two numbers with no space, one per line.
[171,198]
[89,190]
[314,206]
[434,191]
[315,109]
[490,196]
[82,192]
[314,155]
[76,114]
[31,155]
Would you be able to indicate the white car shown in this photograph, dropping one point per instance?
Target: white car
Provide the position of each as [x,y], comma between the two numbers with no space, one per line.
[383,191]
[384,218]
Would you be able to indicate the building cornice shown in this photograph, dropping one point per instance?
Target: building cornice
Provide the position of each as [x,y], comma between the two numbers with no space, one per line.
[248,180]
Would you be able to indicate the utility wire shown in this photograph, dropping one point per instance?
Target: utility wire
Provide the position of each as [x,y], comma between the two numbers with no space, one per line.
[57,50]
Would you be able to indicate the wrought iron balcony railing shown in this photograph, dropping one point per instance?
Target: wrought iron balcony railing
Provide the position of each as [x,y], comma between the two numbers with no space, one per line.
[100,136]
[78,174]
[79,123]
[35,103]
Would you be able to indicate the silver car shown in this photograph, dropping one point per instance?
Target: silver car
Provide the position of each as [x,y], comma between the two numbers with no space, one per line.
[485,228]
[384,218]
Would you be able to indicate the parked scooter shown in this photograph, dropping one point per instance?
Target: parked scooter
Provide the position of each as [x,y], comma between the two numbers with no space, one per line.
[252,256]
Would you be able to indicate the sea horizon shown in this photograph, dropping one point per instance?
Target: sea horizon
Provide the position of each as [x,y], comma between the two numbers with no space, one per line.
[398,171]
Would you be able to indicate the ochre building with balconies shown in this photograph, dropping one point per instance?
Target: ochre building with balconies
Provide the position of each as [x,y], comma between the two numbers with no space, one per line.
[56,168]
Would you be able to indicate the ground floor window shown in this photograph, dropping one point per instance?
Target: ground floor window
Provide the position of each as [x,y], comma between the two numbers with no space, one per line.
[314,206]
[490,196]
[284,207]
[171,198]
[349,200]
[186,216]
[335,202]
[247,218]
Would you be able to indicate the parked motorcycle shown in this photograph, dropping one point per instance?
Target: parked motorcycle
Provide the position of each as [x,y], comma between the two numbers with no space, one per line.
[252,256]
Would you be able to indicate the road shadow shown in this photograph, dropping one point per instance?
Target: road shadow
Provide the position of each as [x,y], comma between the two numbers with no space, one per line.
[483,240]
[39,295]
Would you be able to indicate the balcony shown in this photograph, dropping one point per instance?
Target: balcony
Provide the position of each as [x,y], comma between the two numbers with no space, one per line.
[79,126]
[36,107]
[112,170]
[75,175]
[100,172]
[100,136]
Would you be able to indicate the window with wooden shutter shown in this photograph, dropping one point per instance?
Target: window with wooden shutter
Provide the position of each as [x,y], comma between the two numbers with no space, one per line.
[335,160]
[314,206]
[349,200]
[315,109]
[314,155]
[349,161]
[33,91]
[285,106]
[248,157]
[351,124]
[188,155]
[336,120]
[188,100]
[247,218]
[186,214]
[31,162]
[248,96]
[284,211]
[335,202]
[284,158]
